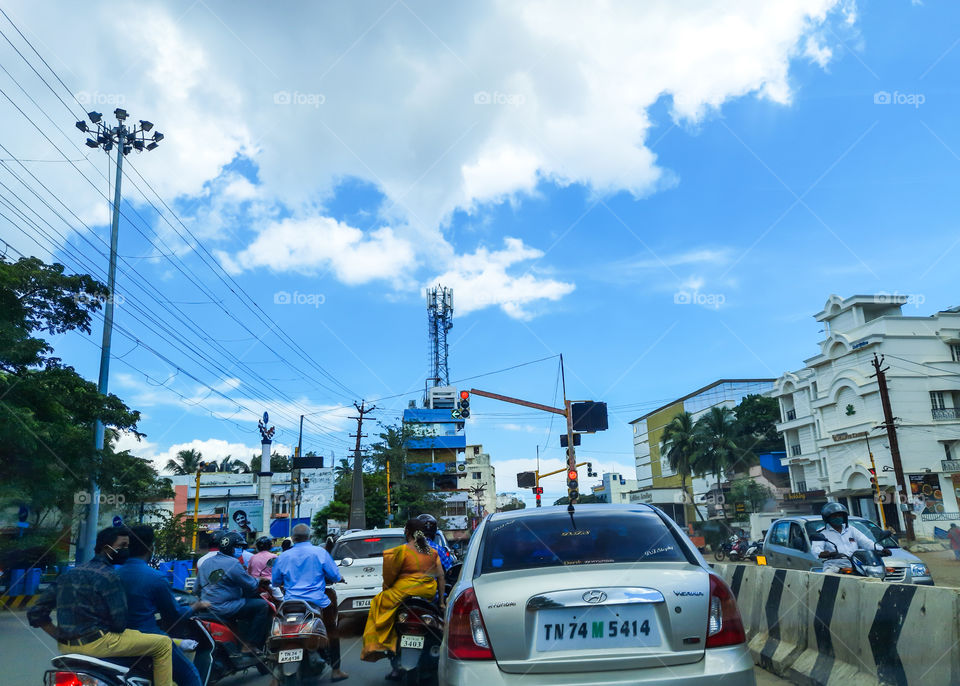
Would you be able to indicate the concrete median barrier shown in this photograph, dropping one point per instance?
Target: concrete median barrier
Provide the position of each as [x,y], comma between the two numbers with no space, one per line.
[821,629]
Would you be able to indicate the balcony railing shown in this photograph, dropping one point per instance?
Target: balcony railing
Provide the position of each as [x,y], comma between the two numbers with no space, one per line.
[795,450]
[946,413]
[791,415]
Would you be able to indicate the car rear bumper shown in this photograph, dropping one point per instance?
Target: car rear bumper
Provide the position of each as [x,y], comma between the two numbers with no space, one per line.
[730,666]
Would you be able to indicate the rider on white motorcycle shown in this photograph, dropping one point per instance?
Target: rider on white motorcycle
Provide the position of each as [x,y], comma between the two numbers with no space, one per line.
[841,539]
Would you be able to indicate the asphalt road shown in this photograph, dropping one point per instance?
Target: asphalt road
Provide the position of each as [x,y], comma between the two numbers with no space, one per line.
[25,654]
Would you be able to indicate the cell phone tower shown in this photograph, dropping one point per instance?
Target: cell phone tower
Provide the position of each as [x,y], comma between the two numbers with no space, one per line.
[439,322]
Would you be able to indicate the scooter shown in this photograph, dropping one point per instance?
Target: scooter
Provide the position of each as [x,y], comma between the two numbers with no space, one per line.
[217,656]
[734,551]
[419,624]
[753,550]
[865,563]
[297,637]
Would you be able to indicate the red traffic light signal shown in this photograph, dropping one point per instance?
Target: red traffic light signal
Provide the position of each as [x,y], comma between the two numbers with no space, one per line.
[872,470]
[572,475]
[464,395]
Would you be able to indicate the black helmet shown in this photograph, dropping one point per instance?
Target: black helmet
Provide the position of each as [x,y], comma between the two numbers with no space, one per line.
[831,509]
[264,543]
[229,540]
[429,525]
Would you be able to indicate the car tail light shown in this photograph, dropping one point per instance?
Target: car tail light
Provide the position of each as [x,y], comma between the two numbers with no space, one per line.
[468,636]
[724,626]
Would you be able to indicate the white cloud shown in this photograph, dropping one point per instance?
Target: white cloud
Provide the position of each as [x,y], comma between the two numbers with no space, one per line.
[317,243]
[387,96]
[481,279]
[526,428]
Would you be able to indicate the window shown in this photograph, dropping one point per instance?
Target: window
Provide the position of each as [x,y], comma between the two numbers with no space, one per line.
[801,487]
[955,352]
[550,540]
[778,536]
[797,541]
[946,451]
[457,508]
[476,476]
[371,546]
[796,450]
[936,400]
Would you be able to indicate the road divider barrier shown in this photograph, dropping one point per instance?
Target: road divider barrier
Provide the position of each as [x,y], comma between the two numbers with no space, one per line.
[824,629]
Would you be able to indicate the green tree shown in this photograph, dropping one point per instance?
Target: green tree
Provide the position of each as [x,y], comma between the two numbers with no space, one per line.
[718,447]
[235,466]
[751,493]
[756,419]
[334,510]
[582,500]
[47,409]
[679,444]
[186,462]
[278,463]
[173,539]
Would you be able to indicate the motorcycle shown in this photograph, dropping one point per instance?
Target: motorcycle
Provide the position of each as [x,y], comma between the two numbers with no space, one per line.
[296,640]
[217,656]
[865,563]
[734,551]
[419,624]
[753,550]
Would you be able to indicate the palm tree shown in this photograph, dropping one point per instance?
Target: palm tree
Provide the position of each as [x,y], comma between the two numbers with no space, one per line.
[718,446]
[228,464]
[679,444]
[186,462]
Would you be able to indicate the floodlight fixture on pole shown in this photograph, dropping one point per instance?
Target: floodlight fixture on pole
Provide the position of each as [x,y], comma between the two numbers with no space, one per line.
[126,139]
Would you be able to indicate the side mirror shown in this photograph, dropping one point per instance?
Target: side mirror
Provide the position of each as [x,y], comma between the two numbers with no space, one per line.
[816,536]
[452,575]
[345,562]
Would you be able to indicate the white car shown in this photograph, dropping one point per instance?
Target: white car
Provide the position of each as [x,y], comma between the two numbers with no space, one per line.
[360,556]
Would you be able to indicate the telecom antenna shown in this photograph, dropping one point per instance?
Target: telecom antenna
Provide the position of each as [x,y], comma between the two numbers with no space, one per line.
[439,322]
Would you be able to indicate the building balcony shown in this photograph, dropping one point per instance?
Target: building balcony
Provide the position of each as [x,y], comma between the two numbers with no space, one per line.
[791,415]
[945,413]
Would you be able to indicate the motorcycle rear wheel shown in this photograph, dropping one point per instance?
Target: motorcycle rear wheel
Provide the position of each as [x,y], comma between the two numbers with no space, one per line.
[719,554]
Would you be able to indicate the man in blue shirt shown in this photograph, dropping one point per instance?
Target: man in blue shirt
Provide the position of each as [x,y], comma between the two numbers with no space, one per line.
[232,593]
[303,571]
[148,593]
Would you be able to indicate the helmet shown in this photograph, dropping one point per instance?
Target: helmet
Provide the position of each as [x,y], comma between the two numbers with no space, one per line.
[831,509]
[429,525]
[230,540]
[264,543]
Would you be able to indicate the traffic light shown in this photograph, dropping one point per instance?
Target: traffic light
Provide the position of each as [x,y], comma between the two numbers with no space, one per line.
[873,476]
[590,472]
[538,491]
[573,492]
[463,406]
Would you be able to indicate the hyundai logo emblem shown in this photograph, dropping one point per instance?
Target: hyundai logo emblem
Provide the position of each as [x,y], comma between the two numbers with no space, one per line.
[594,597]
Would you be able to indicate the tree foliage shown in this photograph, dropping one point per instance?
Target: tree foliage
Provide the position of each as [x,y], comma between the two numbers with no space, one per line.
[47,410]
[756,418]
[751,493]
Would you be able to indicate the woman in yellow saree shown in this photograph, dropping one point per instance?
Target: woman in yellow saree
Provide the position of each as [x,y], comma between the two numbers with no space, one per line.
[409,570]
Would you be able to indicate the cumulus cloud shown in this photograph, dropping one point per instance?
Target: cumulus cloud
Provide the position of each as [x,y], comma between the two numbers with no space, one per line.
[441,108]
[485,278]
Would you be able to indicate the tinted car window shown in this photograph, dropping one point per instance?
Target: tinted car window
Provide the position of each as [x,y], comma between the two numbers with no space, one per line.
[551,540]
[372,546]
[796,540]
[779,534]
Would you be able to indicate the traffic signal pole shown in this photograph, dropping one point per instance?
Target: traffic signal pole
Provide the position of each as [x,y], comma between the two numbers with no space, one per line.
[876,485]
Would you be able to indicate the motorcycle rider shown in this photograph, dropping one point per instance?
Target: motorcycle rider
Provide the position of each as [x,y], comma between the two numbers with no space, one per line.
[430,531]
[92,611]
[148,593]
[842,539]
[232,593]
[303,571]
[261,564]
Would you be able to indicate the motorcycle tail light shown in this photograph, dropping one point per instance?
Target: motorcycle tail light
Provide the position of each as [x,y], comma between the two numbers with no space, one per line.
[275,630]
[402,616]
[71,679]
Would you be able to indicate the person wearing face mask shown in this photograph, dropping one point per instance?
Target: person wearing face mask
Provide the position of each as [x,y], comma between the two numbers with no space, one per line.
[92,611]
[842,539]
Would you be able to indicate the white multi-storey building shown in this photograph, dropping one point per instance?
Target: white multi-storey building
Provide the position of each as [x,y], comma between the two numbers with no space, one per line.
[480,473]
[831,411]
[614,488]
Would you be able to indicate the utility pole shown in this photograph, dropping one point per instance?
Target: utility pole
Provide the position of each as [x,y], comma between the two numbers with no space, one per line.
[389,509]
[358,517]
[299,473]
[126,139]
[196,512]
[891,427]
[875,482]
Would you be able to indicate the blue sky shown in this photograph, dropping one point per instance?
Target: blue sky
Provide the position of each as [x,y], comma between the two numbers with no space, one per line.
[779,175]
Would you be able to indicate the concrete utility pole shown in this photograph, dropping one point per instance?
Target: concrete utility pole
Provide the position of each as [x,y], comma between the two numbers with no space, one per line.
[358,515]
[891,427]
[126,139]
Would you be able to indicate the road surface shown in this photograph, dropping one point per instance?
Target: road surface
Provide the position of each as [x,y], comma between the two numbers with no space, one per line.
[25,654]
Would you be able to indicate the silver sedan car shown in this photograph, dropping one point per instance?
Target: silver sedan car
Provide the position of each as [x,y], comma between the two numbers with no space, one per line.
[606,594]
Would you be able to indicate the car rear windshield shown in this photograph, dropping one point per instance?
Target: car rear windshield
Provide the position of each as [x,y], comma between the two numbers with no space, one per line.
[550,540]
[370,546]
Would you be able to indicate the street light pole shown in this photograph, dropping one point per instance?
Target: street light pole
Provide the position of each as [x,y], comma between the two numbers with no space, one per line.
[126,139]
